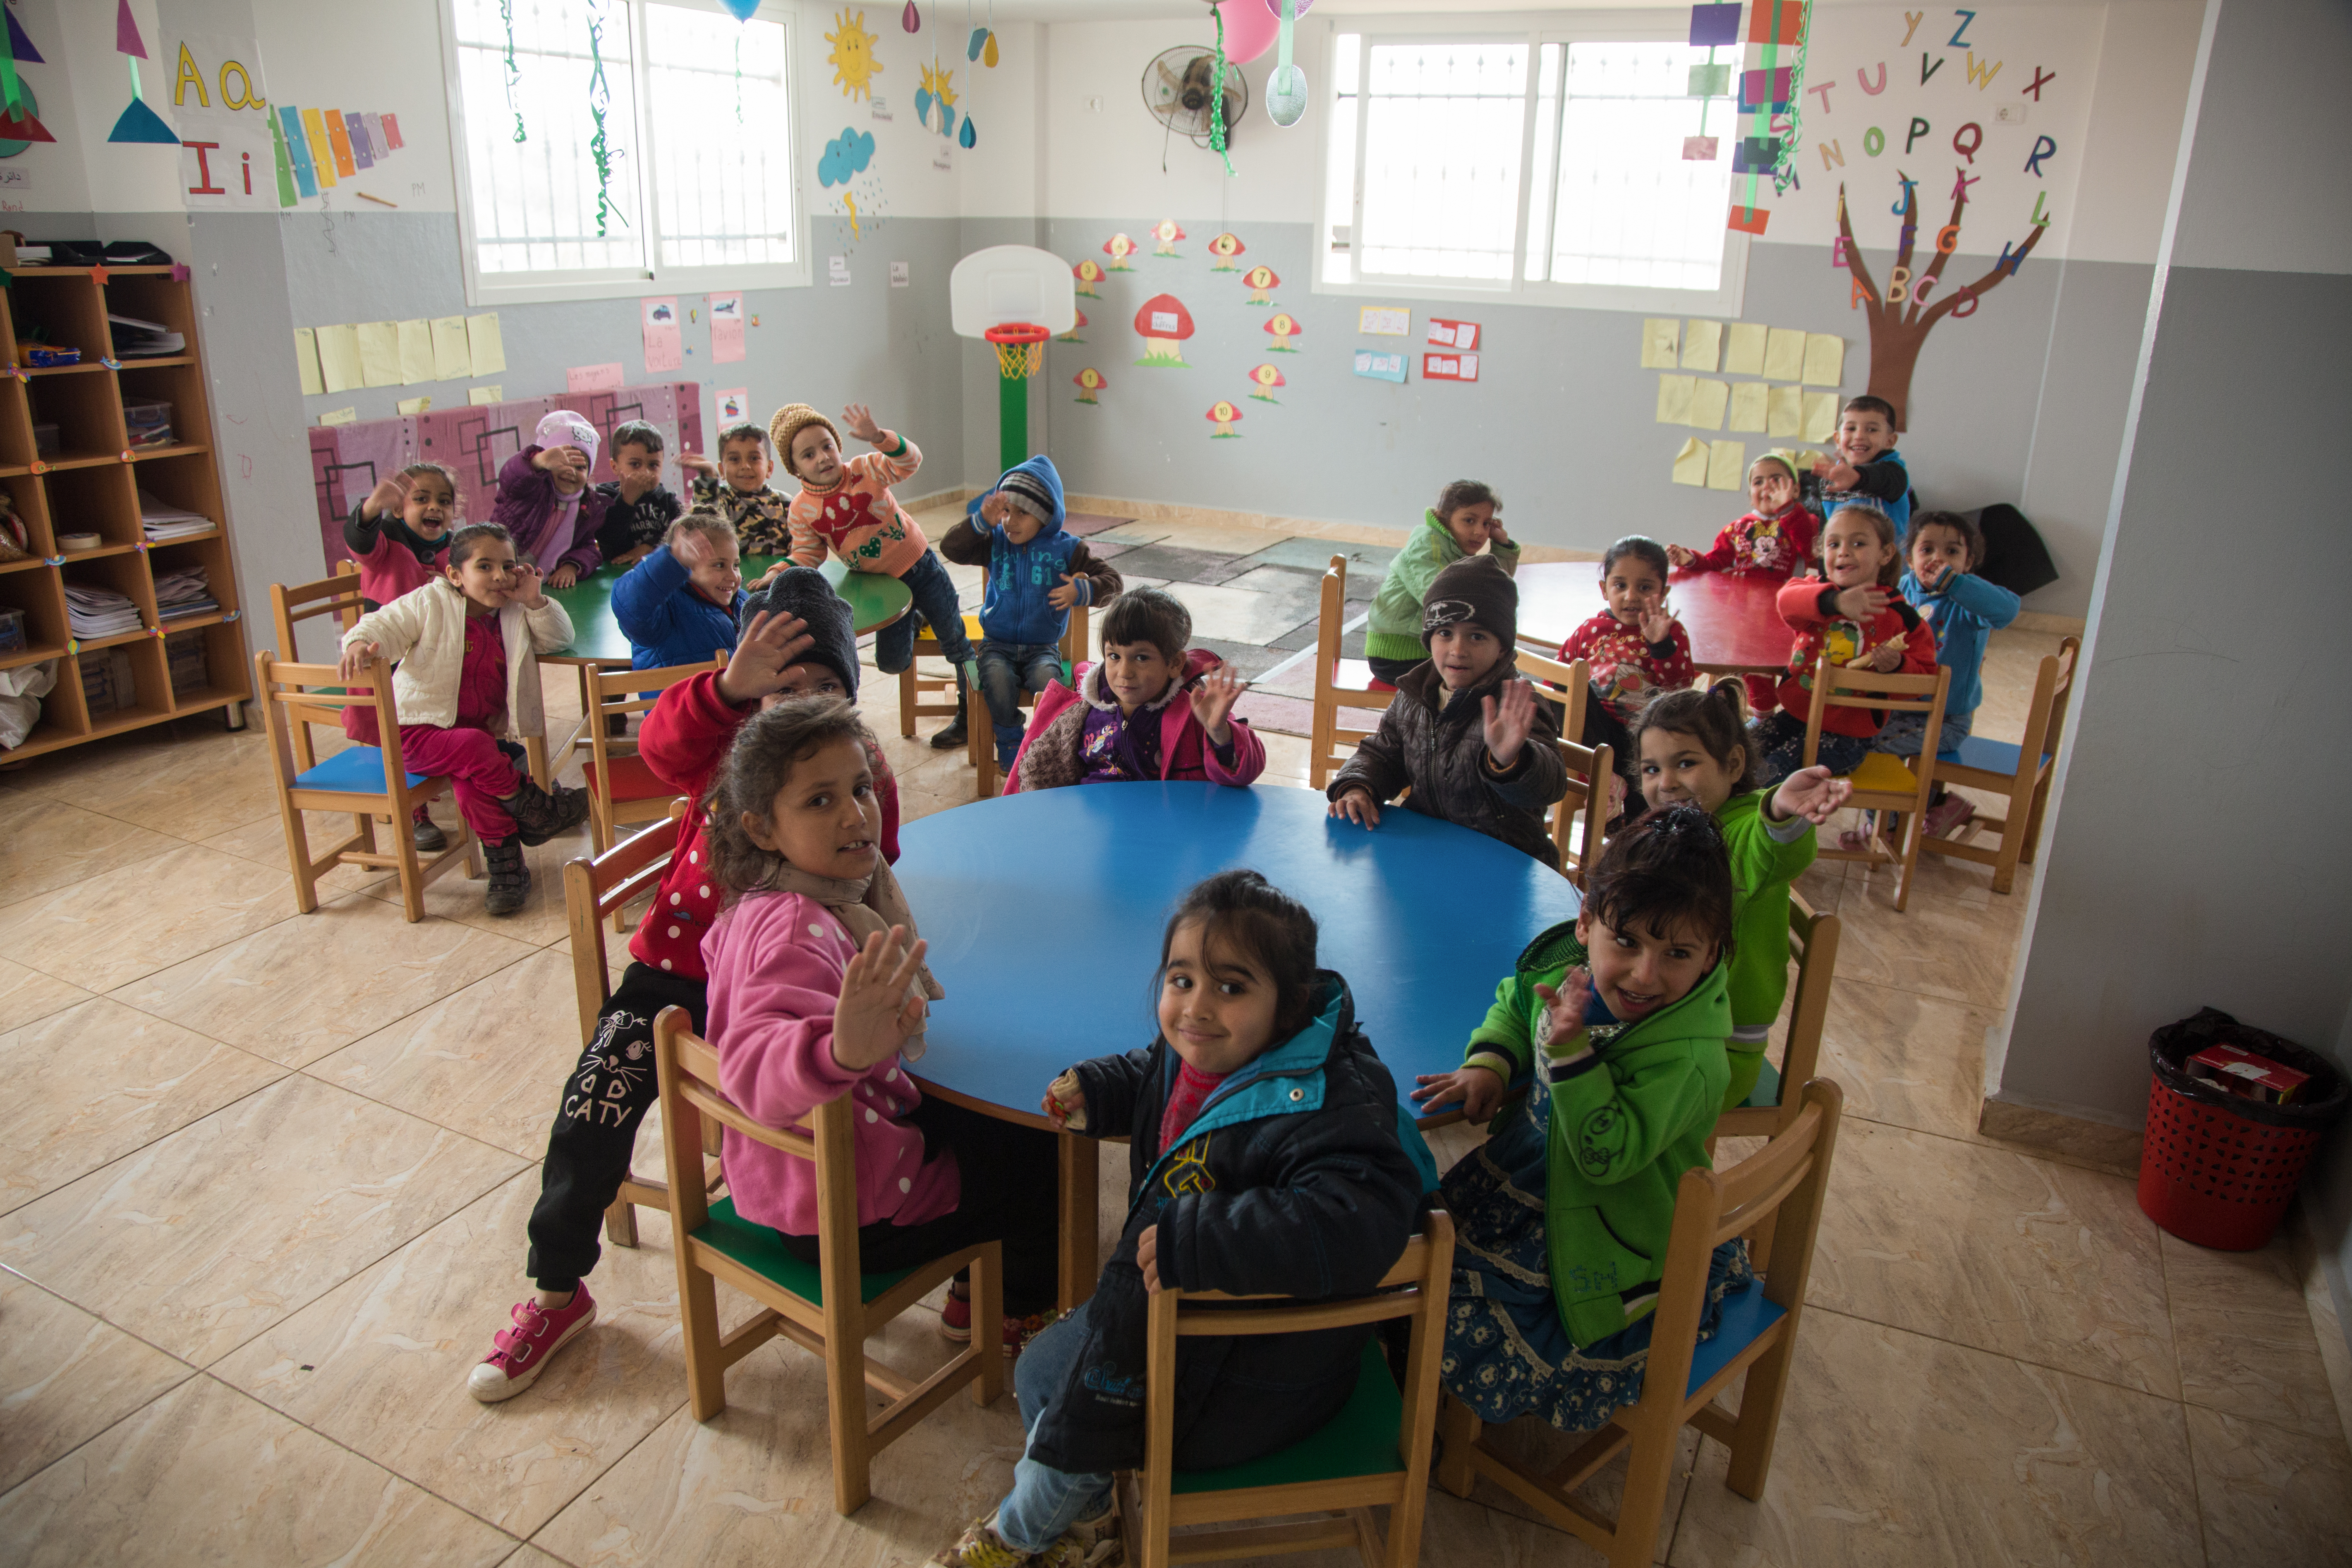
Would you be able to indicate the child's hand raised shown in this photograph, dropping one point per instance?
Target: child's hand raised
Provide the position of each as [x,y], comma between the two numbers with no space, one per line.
[1814,794]
[1495,533]
[1563,1014]
[1657,621]
[693,549]
[1839,477]
[1358,805]
[1063,597]
[1864,603]
[387,497]
[768,647]
[526,591]
[1507,722]
[1479,1089]
[356,660]
[876,1014]
[861,423]
[1680,555]
[695,463]
[1212,699]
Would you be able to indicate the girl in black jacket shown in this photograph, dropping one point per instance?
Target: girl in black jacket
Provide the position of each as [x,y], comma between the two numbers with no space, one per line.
[1268,1156]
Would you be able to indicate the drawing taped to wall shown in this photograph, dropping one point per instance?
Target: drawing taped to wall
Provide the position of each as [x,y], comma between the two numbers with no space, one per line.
[1164,324]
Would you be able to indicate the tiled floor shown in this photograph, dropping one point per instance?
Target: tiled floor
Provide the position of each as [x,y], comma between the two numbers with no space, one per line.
[263,1180]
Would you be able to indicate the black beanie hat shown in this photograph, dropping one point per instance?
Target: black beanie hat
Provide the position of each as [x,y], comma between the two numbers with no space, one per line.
[802,591]
[1477,590]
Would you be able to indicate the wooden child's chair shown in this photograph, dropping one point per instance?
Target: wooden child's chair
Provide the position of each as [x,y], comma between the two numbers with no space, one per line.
[290,604]
[1339,683]
[2022,772]
[369,783]
[829,1309]
[983,745]
[1375,1452]
[1755,1343]
[620,788]
[1883,782]
[1567,686]
[595,890]
[1768,1107]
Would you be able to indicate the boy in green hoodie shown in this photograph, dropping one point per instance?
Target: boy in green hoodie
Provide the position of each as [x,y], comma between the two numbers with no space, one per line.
[1463,524]
[1562,1217]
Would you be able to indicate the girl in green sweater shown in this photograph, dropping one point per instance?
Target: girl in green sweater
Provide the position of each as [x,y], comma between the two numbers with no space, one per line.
[1693,749]
[1561,1218]
[1463,524]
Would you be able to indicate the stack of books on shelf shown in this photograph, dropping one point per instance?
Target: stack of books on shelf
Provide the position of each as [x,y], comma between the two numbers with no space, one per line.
[183,593]
[163,520]
[135,338]
[96,612]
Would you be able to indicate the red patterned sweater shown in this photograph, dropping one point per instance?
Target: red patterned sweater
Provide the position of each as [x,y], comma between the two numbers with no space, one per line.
[858,519]
[1627,671]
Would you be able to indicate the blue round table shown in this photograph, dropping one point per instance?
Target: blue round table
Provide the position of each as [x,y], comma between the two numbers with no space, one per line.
[1044,911]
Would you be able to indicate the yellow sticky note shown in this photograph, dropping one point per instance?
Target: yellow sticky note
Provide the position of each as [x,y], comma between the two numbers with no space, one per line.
[478,395]
[1784,354]
[488,351]
[1690,463]
[379,354]
[1702,342]
[1675,399]
[415,351]
[1820,415]
[453,358]
[306,361]
[341,416]
[1784,412]
[1824,359]
[1748,405]
[1743,350]
[409,405]
[1661,344]
[338,357]
[1707,398]
[1727,465]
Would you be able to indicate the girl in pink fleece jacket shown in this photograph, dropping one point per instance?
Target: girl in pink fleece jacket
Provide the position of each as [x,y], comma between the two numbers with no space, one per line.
[812,996]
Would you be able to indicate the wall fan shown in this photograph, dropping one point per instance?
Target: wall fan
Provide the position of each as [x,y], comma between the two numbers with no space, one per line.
[1180,86]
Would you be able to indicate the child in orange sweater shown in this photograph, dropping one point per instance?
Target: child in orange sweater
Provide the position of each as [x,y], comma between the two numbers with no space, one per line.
[845,506]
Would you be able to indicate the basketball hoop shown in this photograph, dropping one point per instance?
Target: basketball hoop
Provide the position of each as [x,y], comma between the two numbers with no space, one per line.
[1019,349]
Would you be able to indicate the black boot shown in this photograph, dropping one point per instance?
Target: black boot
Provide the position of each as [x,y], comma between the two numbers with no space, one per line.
[540,815]
[956,734]
[429,837]
[509,886]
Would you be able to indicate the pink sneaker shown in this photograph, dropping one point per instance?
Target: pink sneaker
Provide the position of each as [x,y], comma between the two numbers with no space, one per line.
[523,1350]
[1948,815]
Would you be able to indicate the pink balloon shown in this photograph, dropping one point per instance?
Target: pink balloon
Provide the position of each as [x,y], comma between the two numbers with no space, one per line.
[1298,9]
[1250,30]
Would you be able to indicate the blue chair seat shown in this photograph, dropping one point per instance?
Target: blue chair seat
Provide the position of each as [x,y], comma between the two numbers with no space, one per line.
[1990,756]
[1747,1313]
[1361,1440]
[756,1247]
[354,770]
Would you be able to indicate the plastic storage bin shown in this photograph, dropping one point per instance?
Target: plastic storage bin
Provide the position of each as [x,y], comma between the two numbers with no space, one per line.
[148,424]
[2217,1169]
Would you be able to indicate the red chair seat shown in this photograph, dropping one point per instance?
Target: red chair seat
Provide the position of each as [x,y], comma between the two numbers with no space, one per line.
[631,779]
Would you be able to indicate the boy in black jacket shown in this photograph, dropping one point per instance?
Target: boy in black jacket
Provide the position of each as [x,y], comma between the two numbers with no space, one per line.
[1268,1156]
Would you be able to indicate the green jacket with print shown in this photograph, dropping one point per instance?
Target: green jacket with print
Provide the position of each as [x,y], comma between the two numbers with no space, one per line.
[1393,627]
[1626,1122]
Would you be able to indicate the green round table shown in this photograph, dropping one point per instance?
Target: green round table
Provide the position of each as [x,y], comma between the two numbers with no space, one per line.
[597,642]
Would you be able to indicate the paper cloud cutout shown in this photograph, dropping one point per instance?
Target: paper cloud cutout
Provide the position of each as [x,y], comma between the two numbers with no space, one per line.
[846,155]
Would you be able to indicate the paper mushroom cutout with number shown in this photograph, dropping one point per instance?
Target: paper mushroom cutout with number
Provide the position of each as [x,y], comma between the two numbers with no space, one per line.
[1224,247]
[1223,415]
[1262,282]
[1284,327]
[1164,236]
[1119,247]
[1267,377]
[1165,324]
[1088,273]
[1090,381]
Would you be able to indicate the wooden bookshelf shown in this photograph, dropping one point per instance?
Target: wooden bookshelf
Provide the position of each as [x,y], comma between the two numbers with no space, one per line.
[90,484]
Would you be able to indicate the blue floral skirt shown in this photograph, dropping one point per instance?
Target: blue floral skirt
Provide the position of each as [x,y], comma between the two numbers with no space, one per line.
[1507,1353]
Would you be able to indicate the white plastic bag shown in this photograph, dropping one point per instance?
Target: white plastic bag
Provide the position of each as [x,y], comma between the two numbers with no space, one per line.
[21,691]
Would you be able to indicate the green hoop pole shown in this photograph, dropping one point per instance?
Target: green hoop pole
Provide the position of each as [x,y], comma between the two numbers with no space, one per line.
[1012,420]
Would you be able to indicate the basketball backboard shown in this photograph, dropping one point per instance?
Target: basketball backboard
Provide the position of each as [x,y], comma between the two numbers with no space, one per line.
[1011,283]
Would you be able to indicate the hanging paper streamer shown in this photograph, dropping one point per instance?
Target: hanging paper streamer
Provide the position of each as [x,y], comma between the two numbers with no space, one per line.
[1286,90]
[600,99]
[1217,93]
[139,123]
[514,72]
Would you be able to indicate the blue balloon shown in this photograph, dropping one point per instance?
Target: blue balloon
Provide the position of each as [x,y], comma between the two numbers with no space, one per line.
[742,9]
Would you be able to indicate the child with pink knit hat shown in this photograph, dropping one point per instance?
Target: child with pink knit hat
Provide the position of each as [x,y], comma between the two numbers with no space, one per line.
[545,502]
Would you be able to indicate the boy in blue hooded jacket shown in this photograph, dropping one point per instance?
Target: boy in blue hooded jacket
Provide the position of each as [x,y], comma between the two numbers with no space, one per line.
[1036,575]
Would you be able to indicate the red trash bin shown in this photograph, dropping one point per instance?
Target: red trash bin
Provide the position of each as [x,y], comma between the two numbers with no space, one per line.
[2216,1169]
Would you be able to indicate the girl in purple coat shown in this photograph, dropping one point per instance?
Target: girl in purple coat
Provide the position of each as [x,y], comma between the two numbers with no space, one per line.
[818,990]
[545,502]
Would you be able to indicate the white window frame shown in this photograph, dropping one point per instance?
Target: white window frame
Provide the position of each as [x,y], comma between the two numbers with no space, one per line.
[1726,299]
[609,283]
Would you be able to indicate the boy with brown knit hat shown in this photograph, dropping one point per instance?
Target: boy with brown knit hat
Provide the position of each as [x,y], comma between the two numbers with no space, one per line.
[845,506]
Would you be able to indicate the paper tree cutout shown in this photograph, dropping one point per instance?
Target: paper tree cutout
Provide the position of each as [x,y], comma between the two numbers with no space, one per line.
[1119,247]
[1090,381]
[1224,415]
[1262,282]
[1088,274]
[138,122]
[1164,236]
[1285,327]
[1224,247]
[1165,324]
[1267,377]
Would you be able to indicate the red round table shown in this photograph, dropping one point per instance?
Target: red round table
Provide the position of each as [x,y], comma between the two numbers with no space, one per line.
[1732,625]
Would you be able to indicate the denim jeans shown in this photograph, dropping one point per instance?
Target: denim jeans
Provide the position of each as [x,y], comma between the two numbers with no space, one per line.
[1007,669]
[1903,734]
[935,602]
[1043,1501]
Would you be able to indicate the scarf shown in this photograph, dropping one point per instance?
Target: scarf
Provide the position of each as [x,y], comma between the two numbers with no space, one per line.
[866,905]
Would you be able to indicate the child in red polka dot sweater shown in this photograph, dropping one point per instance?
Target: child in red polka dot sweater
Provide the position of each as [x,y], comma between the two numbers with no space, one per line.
[796,640]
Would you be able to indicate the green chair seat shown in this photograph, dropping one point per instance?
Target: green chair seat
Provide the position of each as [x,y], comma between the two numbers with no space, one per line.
[756,1247]
[1766,1095]
[1361,1440]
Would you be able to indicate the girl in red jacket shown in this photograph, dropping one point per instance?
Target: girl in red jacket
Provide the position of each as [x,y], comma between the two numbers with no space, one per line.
[1857,618]
[1774,539]
[797,640]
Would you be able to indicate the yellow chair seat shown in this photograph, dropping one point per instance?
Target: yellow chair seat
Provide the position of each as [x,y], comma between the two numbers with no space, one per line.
[930,643]
[1883,773]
